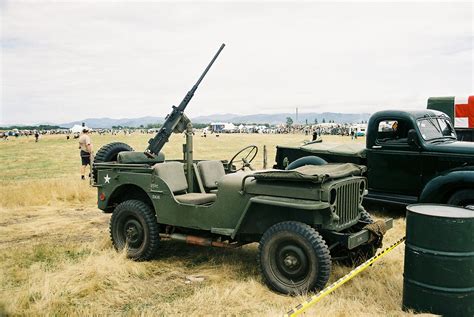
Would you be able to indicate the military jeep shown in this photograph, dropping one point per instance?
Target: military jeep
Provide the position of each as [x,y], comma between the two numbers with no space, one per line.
[301,218]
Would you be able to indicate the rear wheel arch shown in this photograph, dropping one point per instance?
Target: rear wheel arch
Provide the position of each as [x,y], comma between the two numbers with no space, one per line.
[128,192]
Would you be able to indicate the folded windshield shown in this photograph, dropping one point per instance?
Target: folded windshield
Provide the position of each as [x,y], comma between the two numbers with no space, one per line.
[435,128]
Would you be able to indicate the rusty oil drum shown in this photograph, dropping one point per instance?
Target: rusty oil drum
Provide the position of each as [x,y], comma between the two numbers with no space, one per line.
[439,260]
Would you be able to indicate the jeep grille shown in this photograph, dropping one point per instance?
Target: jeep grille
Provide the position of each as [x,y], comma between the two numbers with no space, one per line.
[347,201]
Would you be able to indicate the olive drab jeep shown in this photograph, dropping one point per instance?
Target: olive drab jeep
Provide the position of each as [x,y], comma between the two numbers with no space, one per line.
[302,218]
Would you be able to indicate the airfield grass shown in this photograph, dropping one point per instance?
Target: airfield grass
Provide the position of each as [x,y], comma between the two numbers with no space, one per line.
[56,257]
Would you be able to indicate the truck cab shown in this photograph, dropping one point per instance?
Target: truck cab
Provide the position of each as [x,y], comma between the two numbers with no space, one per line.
[411,156]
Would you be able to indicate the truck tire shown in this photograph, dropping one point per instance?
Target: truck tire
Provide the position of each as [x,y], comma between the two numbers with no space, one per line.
[463,198]
[133,226]
[306,160]
[293,258]
[108,153]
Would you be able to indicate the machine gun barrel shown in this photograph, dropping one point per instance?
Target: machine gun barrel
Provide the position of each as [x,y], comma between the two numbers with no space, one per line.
[156,144]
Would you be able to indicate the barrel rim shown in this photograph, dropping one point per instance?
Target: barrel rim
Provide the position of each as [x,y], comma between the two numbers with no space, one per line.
[431,210]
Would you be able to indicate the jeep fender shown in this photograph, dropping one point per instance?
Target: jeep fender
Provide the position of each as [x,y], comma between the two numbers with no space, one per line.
[121,193]
[262,212]
[440,188]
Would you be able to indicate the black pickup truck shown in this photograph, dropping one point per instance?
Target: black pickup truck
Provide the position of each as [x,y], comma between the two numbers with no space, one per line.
[411,156]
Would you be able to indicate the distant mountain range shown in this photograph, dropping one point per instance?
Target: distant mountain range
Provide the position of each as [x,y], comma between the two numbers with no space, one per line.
[276,118]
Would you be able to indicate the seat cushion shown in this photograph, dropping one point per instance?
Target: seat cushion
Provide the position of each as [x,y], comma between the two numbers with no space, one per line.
[211,172]
[172,173]
[196,198]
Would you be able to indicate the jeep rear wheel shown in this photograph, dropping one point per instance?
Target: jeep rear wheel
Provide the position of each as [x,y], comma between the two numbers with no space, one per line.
[294,258]
[133,226]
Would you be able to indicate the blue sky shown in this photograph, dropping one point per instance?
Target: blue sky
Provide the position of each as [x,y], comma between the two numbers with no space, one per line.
[63,61]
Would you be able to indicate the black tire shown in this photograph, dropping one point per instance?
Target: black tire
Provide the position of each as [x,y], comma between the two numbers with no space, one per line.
[306,160]
[133,225]
[108,153]
[463,198]
[293,258]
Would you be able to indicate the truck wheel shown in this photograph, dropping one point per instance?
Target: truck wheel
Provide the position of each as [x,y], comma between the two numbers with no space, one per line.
[133,226]
[306,160]
[463,198]
[108,153]
[294,258]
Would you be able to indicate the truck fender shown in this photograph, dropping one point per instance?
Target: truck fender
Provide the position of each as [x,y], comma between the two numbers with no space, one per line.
[440,188]
[306,160]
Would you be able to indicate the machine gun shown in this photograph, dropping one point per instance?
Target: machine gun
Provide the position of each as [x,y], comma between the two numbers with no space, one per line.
[176,120]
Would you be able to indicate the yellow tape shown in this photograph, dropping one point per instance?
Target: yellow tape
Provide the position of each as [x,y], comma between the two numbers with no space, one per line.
[331,288]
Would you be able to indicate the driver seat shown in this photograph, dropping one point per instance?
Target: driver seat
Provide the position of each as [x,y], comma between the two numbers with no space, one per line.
[211,173]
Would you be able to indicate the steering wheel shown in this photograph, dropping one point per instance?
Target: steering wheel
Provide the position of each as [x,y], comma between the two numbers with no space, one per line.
[246,153]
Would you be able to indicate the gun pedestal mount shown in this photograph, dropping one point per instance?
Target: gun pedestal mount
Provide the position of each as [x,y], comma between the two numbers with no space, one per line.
[188,156]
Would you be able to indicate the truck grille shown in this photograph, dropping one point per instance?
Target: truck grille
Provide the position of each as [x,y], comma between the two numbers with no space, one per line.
[347,201]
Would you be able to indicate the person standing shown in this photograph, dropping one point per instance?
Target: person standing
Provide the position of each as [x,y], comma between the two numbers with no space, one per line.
[85,145]
[36,136]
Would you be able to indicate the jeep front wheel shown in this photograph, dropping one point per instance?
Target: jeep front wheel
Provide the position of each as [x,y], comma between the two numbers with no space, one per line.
[133,226]
[294,258]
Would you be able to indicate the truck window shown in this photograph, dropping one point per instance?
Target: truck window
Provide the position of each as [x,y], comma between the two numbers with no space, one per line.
[392,131]
[435,128]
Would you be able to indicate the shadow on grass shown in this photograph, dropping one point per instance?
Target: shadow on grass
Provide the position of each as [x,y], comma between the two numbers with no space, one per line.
[243,259]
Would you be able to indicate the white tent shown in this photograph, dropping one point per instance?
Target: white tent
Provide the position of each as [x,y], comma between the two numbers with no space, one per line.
[229,127]
[78,128]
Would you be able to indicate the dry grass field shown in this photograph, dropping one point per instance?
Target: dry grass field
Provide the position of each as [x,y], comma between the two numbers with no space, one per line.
[56,257]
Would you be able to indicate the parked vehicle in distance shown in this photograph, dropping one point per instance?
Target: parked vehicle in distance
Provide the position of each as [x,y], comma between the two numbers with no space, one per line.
[411,156]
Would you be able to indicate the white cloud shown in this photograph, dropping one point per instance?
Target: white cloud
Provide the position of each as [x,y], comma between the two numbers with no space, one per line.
[72,60]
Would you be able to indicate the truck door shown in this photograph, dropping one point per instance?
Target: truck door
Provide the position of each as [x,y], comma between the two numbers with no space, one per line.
[394,167]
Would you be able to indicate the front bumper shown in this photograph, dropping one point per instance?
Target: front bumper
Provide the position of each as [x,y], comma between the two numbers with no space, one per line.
[354,239]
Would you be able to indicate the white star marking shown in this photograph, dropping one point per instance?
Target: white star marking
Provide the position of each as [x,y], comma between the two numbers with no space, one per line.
[106,179]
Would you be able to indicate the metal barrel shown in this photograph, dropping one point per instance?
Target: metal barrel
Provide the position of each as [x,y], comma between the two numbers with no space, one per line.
[439,260]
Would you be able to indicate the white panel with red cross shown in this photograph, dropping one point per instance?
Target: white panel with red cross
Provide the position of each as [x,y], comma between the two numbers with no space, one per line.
[464,112]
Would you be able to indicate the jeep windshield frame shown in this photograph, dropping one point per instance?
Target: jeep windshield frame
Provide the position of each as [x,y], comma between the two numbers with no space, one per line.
[434,128]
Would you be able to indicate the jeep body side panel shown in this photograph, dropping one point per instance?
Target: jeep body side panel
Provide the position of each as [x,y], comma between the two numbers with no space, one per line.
[262,212]
[110,182]
[223,213]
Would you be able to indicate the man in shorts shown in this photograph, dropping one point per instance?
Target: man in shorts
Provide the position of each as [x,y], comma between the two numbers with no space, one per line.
[85,145]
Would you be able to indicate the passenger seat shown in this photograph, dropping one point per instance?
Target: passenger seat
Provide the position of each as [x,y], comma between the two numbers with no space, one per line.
[211,172]
[172,173]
